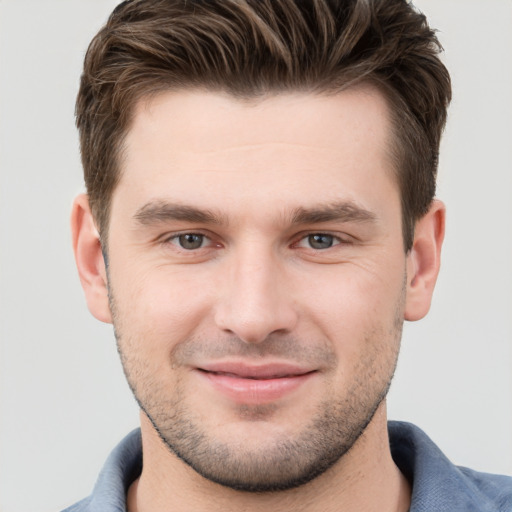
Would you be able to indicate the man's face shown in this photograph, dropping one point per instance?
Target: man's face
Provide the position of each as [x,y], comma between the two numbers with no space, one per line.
[257,278]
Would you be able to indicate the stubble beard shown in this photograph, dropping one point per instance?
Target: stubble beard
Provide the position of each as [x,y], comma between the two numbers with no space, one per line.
[277,466]
[282,463]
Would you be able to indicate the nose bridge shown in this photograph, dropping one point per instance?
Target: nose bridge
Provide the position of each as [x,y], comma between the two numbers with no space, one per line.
[254,299]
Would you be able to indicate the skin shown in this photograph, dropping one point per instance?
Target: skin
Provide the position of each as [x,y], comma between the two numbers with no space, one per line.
[246,187]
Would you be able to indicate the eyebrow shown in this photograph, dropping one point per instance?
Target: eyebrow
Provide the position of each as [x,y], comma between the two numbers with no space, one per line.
[161,211]
[345,211]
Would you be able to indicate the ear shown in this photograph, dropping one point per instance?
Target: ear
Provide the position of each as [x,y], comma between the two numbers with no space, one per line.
[89,259]
[423,261]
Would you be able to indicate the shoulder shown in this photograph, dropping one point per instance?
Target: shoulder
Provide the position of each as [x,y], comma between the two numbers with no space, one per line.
[81,506]
[122,467]
[496,488]
[437,484]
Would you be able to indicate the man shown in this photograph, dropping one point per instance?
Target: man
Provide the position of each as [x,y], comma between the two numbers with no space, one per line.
[260,220]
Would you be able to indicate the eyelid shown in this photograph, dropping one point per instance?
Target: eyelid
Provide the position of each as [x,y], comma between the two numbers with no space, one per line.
[171,238]
[339,238]
[210,239]
[201,238]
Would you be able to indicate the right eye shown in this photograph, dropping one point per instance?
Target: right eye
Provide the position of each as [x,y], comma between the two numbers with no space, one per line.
[321,241]
[189,241]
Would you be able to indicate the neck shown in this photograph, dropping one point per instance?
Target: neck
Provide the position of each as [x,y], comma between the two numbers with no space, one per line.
[365,479]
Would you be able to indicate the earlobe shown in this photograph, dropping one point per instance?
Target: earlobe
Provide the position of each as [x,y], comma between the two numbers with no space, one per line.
[89,259]
[423,261]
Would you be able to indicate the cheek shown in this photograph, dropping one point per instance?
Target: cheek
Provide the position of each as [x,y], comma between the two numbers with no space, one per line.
[361,314]
[363,322]
[356,294]
[162,306]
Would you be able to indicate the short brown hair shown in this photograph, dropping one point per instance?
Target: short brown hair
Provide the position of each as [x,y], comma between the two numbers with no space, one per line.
[250,48]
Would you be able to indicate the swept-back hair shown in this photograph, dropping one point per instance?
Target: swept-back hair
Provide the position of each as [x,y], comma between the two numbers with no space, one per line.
[252,48]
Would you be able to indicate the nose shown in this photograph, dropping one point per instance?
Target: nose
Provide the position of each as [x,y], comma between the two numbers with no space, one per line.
[255,298]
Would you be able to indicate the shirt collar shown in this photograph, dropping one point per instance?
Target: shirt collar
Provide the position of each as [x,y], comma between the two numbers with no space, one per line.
[436,483]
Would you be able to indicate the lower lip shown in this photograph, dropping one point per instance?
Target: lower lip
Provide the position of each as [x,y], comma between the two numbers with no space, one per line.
[255,391]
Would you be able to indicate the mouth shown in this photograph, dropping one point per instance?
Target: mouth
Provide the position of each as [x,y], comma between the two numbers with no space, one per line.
[253,377]
[255,384]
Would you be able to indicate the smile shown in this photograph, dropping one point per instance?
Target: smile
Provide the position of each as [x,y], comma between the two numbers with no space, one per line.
[254,384]
[235,376]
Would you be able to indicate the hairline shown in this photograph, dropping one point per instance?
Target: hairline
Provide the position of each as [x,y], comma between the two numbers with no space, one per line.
[146,96]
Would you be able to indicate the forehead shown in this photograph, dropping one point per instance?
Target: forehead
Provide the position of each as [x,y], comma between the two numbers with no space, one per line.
[209,121]
[206,147]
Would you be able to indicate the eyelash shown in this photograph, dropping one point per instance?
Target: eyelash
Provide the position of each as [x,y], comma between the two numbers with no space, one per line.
[175,240]
[334,240]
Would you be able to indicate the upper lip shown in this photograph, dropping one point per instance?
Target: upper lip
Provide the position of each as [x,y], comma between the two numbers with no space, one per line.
[255,371]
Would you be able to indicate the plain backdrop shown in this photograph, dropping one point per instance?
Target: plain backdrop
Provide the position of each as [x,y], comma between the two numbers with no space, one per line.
[64,401]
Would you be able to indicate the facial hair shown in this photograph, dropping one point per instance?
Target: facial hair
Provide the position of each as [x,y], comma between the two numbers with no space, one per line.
[281,462]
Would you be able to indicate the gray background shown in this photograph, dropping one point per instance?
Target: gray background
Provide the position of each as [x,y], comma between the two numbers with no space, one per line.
[64,402]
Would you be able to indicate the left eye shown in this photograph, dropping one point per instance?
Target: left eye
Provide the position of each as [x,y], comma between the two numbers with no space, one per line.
[189,241]
[319,241]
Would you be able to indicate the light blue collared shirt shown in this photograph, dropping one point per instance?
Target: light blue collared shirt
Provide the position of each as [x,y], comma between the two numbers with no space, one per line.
[437,485]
